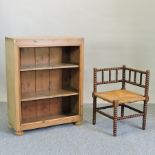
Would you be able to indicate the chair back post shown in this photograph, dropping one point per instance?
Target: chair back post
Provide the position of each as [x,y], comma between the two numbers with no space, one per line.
[123,76]
[95,79]
[147,83]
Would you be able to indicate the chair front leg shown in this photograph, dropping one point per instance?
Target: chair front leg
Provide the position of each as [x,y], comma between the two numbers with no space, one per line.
[144,116]
[94,110]
[115,119]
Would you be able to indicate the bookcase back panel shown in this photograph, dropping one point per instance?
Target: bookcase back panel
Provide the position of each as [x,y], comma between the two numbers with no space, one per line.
[48,56]
[74,81]
[28,110]
[42,108]
[55,55]
[75,55]
[42,81]
[71,55]
[27,57]
[46,108]
[70,79]
[56,106]
[66,76]
[66,107]
[48,82]
[27,82]
[56,79]
[42,56]
[74,108]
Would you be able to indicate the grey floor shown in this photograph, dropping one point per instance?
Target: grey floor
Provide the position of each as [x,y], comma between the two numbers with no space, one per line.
[85,139]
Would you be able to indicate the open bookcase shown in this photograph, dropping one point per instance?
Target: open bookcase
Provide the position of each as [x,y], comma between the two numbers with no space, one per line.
[44,82]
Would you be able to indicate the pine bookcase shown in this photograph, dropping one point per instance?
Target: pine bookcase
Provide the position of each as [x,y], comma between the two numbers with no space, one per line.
[44,82]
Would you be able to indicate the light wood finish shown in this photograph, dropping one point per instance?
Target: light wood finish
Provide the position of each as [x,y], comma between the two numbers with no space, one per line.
[48,121]
[27,82]
[19,133]
[122,96]
[47,94]
[27,57]
[47,41]
[13,84]
[47,67]
[44,81]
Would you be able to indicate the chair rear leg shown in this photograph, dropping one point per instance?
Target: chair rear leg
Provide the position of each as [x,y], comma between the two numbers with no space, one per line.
[144,116]
[94,110]
[115,121]
[122,110]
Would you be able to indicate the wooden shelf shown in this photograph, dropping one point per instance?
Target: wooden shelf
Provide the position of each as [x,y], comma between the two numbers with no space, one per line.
[46,67]
[47,94]
[44,118]
[48,121]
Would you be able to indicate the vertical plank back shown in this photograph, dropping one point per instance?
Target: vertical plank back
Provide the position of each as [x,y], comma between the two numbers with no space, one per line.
[27,57]
[42,56]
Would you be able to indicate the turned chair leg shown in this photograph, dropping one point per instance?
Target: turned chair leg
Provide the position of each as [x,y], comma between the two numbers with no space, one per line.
[122,110]
[94,110]
[144,116]
[115,121]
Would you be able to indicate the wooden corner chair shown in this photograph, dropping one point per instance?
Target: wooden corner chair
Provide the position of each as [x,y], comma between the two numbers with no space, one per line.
[122,96]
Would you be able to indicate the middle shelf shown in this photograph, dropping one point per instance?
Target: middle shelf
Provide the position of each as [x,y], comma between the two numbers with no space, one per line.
[48,94]
[25,68]
[44,84]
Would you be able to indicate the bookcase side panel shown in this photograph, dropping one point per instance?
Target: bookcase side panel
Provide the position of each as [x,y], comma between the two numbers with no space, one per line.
[81,78]
[13,86]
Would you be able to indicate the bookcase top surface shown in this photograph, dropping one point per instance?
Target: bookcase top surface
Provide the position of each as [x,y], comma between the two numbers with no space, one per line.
[46,41]
[42,37]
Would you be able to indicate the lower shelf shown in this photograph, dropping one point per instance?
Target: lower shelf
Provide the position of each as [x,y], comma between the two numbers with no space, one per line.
[51,111]
[43,118]
[47,94]
[48,121]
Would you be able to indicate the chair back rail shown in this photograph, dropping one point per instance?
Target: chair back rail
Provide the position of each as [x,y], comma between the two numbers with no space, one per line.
[141,81]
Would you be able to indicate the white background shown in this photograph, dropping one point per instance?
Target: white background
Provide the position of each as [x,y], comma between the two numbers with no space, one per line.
[116,32]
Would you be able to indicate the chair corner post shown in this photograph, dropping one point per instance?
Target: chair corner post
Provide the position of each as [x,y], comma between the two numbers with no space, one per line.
[123,76]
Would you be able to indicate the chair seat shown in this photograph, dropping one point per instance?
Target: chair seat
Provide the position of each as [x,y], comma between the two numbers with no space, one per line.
[122,96]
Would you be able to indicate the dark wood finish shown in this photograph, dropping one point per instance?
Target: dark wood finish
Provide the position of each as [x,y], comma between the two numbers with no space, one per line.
[123,77]
[94,110]
[130,116]
[115,119]
[105,114]
[105,107]
[136,110]
[144,116]
[122,110]
[137,80]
